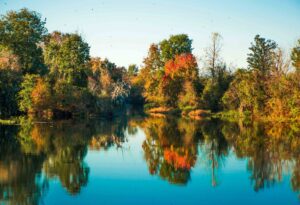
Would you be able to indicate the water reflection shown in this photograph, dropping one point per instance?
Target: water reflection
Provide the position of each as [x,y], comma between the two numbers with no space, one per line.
[271,149]
[170,148]
[33,154]
[20,174]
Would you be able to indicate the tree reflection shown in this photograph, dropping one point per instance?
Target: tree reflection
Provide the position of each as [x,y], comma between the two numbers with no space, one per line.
[66,143]
[170,148]
[109,133]
[33,153]
[271,149]
[55,149]
[67,164]
[214,147]
[20,178]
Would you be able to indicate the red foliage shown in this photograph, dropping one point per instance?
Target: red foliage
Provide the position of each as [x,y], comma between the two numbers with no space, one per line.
[181,62]
[179,161]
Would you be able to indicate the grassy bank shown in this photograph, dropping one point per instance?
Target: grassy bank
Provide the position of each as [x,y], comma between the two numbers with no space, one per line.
[234,116]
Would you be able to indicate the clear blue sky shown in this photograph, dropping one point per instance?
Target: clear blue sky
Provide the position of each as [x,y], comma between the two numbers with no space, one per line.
[123,30]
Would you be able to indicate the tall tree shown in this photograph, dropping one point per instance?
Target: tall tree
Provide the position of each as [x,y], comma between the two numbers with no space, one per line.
[22,32]
[219,76]
[261,56]
[212,53]
[151,73]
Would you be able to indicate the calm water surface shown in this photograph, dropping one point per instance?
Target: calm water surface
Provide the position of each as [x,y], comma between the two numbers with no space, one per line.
[149,160]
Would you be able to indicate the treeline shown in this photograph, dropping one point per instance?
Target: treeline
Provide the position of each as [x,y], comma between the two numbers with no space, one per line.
[53,74]
[268,89]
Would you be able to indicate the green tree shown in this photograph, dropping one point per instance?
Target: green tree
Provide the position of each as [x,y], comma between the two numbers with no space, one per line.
[244,93]
[175,45]
[67,56]
[22,32]
[24,96]
[249,90]
[261,56]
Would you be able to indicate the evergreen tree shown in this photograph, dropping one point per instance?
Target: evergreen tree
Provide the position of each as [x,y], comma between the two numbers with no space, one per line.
[261,56]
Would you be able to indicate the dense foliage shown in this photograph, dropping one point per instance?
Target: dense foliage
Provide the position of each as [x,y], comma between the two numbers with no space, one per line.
[53,74]
[267,88]
[22,32]
[170,75]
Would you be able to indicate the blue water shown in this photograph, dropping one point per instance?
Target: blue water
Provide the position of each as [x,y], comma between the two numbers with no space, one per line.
[120,175]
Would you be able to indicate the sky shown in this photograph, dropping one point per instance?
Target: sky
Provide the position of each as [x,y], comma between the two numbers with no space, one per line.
[122,30]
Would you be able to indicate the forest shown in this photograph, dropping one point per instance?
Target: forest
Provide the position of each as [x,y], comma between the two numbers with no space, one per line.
[53,75]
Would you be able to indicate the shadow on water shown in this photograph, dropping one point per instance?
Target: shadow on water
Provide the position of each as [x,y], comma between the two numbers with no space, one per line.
[32,154]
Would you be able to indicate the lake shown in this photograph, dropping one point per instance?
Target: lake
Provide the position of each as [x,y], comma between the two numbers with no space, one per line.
[149,160]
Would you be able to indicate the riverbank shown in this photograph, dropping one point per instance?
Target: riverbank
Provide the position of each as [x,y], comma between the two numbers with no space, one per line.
[195,114]
[234,116]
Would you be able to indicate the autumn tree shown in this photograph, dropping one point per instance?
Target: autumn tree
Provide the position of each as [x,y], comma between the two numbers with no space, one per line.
[151,74]
[41,96]
[101,78]
[265,88]
[108,80]
[181,81]
[170,73]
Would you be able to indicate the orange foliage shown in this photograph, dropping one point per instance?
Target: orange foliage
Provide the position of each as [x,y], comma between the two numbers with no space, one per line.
[41,95]
[179,161]
[37,138]
[181,62]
